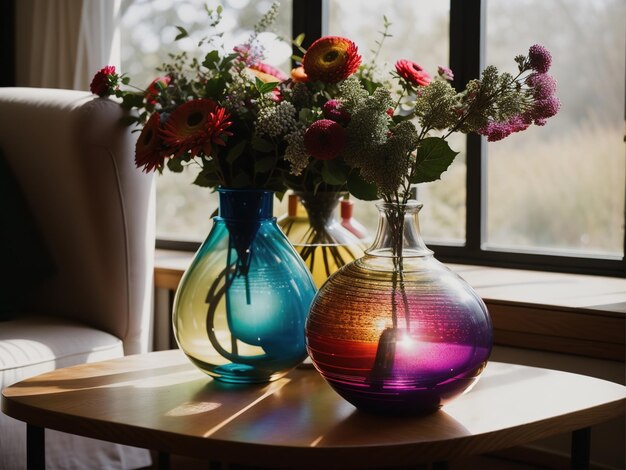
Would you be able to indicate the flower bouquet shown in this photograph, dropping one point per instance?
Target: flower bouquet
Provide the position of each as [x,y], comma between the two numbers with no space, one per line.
[240,308]
[393,330]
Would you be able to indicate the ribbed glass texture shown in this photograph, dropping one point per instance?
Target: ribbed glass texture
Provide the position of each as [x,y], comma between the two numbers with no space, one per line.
[396,331]
[240,309]
[317,234]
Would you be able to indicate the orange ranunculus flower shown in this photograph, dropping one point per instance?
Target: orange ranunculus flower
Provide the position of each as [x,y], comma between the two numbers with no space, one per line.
[299,75]
[153,91]
[195,126]
[412,73]
[331,59]
[149,147]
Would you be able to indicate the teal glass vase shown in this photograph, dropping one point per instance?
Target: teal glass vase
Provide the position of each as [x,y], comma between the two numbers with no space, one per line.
[241,306]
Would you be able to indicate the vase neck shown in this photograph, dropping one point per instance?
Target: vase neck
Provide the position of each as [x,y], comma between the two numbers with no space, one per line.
[398,233]
[245,204]
[320,207]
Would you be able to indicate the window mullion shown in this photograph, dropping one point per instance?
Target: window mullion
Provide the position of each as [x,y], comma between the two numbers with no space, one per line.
[307,18]
[466,60]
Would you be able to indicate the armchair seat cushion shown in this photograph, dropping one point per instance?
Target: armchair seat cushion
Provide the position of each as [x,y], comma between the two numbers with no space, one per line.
[34,344]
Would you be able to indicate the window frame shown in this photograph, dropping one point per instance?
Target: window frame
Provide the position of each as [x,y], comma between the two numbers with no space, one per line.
[467,52]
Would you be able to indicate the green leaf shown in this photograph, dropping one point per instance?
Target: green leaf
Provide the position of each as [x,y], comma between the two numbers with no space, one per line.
[298,40]
[227,60]
[263,87]
[241,180]
[206,180]
[175,165]
[434,156]
[262,145]
[215,86]
[132,100]
[182,33]
[125,80]
[235,151]
[211,60]
[265,164]
[128,120]
[335,172]
[361,189]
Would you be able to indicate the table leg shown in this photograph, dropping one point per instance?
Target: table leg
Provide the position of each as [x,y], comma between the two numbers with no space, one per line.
[163,461]
[581,449]
[35,447]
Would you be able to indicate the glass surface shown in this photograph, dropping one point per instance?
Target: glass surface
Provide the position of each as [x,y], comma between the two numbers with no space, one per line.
[313,228]
[148,29]
[420,32]
[240,308]
[398,334]
[560,188]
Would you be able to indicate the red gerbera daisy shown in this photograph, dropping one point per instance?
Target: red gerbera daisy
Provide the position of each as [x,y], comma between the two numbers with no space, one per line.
[331,59]
[325,139]
[153,89]
[195,126]
[149,147]
[412,73]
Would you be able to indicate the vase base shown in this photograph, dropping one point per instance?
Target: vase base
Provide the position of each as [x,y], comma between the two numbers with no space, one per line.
[238,373]
[416,402]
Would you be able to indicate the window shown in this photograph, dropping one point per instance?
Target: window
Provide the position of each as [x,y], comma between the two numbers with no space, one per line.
[561,188]
[551,198]
[148,32]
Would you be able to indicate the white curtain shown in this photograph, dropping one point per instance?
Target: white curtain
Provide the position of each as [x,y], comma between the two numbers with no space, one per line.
[63,43]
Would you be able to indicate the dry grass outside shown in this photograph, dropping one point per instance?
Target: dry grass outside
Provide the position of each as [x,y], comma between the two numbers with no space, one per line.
[563,191]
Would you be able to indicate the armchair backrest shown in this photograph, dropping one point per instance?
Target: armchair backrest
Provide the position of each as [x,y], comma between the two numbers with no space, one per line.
[74,163]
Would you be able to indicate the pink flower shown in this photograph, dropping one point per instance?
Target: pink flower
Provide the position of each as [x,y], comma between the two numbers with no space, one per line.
[332,110]
[546,108]
[445,73]
[542,85]
[539,58]
[325,139]
[153,90]
[412,73]
[104,81]
[495,131]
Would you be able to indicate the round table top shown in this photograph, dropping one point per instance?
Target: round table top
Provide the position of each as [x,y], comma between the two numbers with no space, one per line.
[161,401]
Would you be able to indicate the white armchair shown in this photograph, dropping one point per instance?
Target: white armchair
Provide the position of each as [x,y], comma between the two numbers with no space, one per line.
[90,299]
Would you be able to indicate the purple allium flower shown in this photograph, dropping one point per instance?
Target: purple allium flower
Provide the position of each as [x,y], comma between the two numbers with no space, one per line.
[445,73]
[546,108]
[540,58]
[540,122]
[332,110]
[495,131]
[518,124]
[543,85]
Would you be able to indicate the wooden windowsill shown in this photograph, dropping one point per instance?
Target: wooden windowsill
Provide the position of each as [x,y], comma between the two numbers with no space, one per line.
[568,313]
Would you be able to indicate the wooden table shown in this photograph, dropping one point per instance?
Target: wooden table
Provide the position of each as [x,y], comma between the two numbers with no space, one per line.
[160,401]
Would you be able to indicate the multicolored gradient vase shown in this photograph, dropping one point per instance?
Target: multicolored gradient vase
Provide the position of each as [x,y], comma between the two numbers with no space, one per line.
[397,332]
[241,306]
